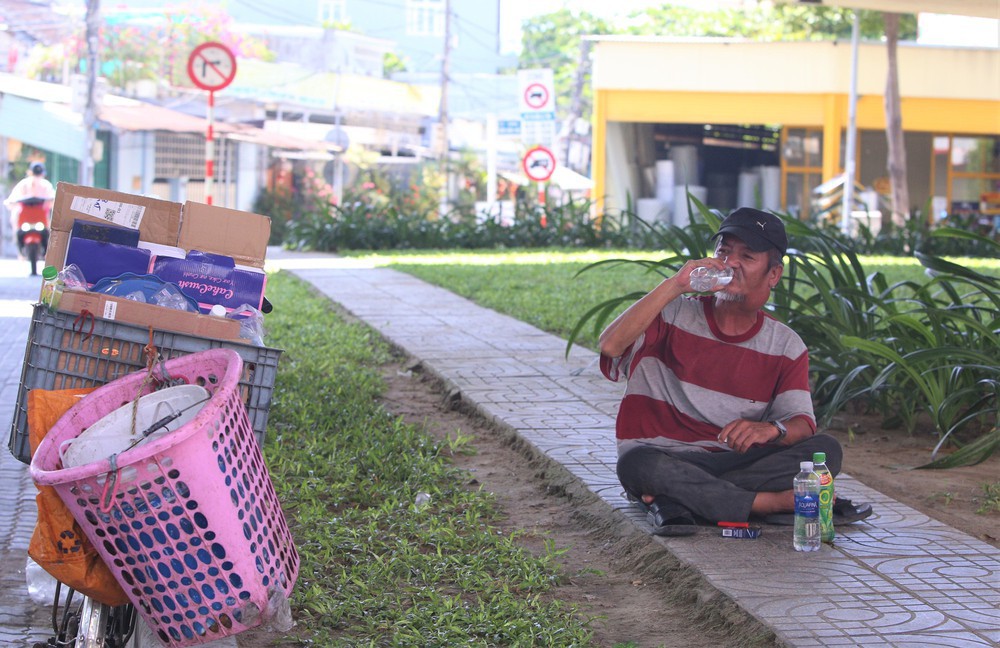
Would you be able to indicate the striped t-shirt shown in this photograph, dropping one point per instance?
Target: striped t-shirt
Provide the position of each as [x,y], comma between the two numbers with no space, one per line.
[686,379]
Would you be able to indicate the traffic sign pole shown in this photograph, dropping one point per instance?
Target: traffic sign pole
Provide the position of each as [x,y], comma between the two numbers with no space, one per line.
[210,148]
[211,66]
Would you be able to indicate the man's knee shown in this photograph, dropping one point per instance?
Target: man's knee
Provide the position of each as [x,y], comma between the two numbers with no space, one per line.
[636,464]
[831,447]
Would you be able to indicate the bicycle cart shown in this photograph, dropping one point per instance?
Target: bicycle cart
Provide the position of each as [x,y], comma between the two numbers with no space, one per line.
[188,522]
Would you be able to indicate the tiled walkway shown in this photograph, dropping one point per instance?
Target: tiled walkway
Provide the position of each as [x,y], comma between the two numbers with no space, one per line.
[897,579]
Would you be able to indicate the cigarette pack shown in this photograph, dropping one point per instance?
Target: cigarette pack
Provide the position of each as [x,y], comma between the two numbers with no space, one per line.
[749,532]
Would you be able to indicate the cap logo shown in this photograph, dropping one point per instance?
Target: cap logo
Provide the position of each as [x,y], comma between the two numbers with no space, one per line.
[760,224]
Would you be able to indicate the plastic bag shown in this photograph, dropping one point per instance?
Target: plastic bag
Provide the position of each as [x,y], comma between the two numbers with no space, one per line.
[58,544]
[73,278]
[41,584]
[251,323]
[170,296]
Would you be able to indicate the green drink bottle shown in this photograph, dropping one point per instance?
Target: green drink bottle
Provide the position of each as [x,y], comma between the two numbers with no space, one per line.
[826,532]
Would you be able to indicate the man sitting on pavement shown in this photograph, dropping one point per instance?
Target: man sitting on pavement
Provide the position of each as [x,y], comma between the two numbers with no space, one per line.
[717,411]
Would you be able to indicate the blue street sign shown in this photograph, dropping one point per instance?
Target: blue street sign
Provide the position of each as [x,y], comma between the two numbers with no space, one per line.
[509,127]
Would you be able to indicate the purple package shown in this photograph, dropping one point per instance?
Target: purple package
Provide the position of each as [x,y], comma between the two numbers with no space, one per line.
[212,279]
[98,260]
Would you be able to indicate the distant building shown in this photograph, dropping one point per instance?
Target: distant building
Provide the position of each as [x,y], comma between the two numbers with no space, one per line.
[740,122]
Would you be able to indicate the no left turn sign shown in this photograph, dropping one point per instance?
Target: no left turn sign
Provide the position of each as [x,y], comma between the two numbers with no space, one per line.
[539,163]
[212,66]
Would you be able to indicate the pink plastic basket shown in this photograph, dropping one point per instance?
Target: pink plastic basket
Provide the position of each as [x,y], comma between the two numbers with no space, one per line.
[189,524]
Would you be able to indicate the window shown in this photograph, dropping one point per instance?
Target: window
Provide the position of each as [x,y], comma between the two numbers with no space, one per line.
[332,12]
[425,17]
[801,168]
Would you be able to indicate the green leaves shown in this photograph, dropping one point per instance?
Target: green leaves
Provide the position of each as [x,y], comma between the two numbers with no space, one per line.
[916,350]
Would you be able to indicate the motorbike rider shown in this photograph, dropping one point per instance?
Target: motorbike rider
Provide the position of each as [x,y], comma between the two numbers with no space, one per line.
[34,185]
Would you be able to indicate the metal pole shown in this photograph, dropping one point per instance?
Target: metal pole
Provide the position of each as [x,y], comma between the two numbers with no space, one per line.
[443,110]
[86,173]
[210,148]
[491,161]
[849,153]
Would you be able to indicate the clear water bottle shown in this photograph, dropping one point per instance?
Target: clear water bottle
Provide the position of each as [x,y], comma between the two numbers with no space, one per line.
[806,485]
[704,279]
[826,494]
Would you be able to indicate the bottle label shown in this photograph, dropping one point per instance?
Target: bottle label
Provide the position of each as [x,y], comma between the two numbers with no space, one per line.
[807,506]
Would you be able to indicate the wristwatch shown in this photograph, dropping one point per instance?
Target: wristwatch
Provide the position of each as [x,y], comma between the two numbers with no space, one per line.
[782,430]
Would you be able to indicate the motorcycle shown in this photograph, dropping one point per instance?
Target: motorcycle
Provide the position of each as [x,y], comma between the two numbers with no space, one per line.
[33,230]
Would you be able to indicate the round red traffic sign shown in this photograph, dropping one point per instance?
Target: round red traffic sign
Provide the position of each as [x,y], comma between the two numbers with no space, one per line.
[212,66]
[536,96]
[539,163]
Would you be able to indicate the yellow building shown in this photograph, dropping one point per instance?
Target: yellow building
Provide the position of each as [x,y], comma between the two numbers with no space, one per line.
[741,121]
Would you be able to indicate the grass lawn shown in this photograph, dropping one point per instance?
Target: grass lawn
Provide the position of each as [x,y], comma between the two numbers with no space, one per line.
[545,289]
[395,549]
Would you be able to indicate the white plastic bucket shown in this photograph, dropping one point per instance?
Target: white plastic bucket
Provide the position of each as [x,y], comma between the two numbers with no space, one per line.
[113,433]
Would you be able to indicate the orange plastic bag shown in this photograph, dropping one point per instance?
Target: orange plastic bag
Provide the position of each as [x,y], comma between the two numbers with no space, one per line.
[58,544]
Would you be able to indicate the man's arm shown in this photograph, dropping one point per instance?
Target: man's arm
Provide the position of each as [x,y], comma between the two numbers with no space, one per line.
[741,434]
[628,326]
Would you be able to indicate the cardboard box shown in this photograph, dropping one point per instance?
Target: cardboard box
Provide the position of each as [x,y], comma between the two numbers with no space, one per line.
[162,319]
[191,226]
[217,230]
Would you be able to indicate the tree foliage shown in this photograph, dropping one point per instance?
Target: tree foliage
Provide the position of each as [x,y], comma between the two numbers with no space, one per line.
[134,46]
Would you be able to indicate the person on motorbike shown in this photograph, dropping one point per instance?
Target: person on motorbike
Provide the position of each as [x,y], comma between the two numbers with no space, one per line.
[34,187]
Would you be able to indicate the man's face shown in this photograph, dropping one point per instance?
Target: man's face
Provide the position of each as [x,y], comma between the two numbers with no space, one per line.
[752,279]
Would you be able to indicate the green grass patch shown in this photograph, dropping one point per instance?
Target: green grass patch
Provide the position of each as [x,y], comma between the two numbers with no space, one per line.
[544,289]
[989,502]
[380,565]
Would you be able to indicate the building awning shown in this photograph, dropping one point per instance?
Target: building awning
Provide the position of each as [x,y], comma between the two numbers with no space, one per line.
[563,177]
[149,117]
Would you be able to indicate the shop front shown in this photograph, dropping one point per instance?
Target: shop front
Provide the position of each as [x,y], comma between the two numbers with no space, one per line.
[735,122]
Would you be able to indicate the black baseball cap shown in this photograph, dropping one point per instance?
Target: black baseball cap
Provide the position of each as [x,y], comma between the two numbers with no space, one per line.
[760,230]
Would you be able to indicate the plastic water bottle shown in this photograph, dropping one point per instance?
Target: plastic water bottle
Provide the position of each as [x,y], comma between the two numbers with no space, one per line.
[704,279]
[826,494]
[52,288]
[806,484]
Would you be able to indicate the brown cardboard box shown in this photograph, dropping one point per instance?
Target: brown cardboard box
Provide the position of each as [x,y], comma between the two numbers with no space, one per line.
[191,226]
[160,318]
[217,230]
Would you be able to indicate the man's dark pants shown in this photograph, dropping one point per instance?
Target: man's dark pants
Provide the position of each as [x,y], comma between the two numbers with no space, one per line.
[720,486]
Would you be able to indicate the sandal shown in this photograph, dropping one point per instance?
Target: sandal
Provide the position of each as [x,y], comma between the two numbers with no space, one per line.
[844,512]
[666,517]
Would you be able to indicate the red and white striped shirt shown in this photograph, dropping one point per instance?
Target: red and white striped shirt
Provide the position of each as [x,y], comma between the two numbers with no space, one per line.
[686,379]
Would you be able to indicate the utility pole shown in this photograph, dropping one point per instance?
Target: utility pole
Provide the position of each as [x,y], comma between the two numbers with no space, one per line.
[576,103]
[443,107]
[847,201]
[86,175]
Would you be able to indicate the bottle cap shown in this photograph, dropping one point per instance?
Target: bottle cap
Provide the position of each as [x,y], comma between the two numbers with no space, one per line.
[806,466]
[49,273]
[218,310]
[819,457]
